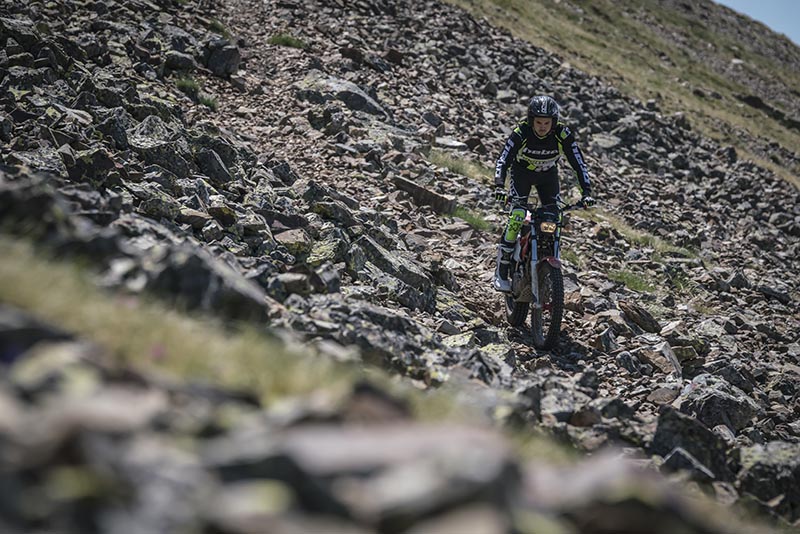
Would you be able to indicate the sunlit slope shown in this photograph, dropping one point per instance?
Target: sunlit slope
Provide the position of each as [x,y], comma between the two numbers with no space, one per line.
[738,81]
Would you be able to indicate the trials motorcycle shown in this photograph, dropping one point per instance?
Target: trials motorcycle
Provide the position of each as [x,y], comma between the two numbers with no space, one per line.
[535,271]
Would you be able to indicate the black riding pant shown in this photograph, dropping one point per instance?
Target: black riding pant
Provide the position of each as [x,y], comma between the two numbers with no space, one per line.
[522,181]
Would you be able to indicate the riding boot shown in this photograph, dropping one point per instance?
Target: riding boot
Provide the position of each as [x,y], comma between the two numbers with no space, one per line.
[501,281]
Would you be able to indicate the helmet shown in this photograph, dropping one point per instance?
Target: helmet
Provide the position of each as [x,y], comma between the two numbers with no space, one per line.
[542,106]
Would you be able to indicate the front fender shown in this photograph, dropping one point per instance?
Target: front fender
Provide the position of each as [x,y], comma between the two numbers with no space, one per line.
[553,261]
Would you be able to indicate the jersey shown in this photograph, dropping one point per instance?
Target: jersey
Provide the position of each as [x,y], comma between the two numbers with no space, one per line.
[525,148]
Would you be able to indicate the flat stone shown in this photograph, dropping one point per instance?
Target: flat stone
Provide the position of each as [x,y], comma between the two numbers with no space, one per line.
[296,241]
[426,197]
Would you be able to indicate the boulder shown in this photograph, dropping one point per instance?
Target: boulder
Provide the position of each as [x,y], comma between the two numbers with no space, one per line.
[157,142]
[221,57]
[678,430]
[771,473]
[318,87]
[714,401]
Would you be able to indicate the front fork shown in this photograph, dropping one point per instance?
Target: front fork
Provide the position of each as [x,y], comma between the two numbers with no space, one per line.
[535,275]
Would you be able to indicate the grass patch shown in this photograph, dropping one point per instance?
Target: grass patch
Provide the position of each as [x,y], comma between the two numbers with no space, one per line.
[572,257]
[638,237]
[631,280]
[787,175]
[208,101]
[462,166]
[283,39]
[681,281]
[471,218]
[703,308]
[189,86]
[193,89]
[219,28]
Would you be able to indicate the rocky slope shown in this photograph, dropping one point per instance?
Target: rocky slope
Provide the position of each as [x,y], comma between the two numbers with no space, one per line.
[308,201]
[735,78]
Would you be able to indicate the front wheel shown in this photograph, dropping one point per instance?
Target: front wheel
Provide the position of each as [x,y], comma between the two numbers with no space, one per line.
[546,321]
[516,312]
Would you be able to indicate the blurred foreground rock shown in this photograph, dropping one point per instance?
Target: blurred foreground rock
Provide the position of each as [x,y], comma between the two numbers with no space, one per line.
[87,448]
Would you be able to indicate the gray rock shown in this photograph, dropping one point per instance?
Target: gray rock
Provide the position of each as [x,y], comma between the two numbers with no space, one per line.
[424,196]
[677,430]
[606,141]
[661,357]
[20,331]
[561,399]
[681,460]
[23,31]
[6,128]
[179,61]
[157,143]
[449,143]
[296,241]
[335,210]
[715,402]
[771,473]
[116,124]
[44,159]
[639,316]
[319,87]
[222,58]
[212,166]
[399,267]
[284,171]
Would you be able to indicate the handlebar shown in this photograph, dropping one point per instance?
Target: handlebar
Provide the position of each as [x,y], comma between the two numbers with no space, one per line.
[530,206]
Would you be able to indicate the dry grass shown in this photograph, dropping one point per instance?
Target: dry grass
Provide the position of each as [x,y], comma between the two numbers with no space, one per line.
[147,335]
[638,237]
[470,169]
[632,280]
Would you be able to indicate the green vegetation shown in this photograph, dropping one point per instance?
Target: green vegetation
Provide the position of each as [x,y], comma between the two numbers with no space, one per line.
[681,281]
[471,218]
[703,308]
[188,85]
[631,280]
[208,101]
[660,246]
[462,166]
[193,89]
[572,257]
[621,42]
[217,27]
[283,39]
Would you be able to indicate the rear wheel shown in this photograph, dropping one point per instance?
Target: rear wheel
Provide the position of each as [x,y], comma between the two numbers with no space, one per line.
[546,321]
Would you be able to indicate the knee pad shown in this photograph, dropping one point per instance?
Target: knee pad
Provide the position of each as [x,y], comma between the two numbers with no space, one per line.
[514,224]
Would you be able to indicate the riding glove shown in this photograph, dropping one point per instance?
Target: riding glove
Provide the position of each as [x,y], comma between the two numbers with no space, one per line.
[588,201]
[500,195]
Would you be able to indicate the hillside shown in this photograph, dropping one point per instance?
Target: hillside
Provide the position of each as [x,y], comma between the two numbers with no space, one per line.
[311,178]
[737,81]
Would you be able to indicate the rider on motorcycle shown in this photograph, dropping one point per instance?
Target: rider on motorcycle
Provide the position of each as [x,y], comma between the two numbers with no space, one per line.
[532,152]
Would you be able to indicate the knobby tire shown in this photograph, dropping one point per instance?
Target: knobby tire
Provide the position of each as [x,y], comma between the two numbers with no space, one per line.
[546,321]
[516,312]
